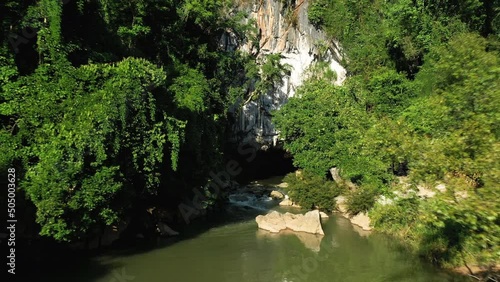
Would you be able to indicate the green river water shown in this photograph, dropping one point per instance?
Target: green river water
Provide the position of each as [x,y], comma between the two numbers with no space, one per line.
[229,247]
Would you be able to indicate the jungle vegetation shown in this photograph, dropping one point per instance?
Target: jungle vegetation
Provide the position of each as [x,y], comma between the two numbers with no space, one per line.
[108,107]
[420,107]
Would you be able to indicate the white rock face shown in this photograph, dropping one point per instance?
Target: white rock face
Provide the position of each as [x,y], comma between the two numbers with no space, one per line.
[323,215]
[441,187]
[277,195]
[283,185]
[425,192]
[288,203]
[297,42]
[275,222]
[272,222]
[362,220]
[383,200]
[341,202]
[309,223]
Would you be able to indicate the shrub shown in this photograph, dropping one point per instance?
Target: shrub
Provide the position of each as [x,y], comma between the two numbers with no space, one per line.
[442,233]
[396,218]
[310,190]
[361,200]
[316,12]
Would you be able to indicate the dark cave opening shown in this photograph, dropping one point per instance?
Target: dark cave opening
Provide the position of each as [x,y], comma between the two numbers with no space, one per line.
[265,164]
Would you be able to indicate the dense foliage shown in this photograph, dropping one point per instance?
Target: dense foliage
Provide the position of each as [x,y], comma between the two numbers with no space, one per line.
[311,191]
[107,106]
[104,103]
[420,107]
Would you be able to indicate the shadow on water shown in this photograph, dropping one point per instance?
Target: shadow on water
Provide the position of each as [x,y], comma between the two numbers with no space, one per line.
[219,243]
[57,263]
[48,261]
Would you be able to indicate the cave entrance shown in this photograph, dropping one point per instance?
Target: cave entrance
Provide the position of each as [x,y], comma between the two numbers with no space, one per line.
[266,164]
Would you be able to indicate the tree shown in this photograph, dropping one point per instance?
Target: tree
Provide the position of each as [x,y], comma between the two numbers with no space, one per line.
[460,79]
[118,100]
[94,138]
[321,127]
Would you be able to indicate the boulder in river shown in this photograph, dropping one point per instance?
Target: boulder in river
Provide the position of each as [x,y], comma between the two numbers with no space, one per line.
[275,222]
[288,203]
[277,195]
[282,185]
[323,215]
[272,222]
[362,220]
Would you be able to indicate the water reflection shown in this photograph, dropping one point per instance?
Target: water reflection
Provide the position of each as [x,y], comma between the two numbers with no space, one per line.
[310,241]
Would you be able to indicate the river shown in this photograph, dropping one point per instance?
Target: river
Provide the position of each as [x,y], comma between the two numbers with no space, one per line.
[229,247]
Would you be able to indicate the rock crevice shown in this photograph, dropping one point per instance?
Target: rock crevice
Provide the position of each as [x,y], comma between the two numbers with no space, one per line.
[284,29]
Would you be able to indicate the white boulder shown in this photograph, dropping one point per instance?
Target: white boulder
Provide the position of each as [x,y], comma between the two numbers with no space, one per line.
[275,222]
[362,220]
[277,195]
[272,222]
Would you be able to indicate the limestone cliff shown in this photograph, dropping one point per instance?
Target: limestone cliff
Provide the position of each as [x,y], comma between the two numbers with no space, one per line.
[283,28]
